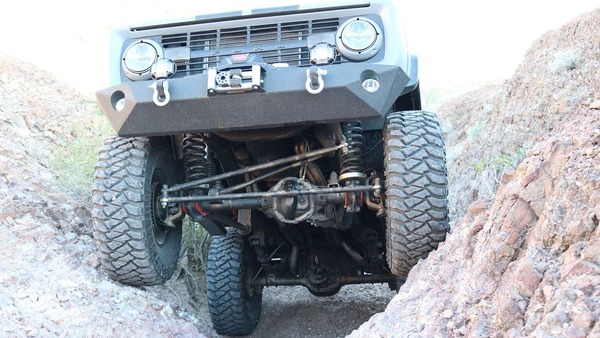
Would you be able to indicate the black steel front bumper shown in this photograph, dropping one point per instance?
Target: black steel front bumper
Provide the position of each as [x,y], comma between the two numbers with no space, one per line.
[283,101]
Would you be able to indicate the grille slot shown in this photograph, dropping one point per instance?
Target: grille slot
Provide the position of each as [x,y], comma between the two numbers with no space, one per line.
[277,42]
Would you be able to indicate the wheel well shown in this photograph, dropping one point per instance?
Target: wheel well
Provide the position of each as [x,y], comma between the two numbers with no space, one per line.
[409,101]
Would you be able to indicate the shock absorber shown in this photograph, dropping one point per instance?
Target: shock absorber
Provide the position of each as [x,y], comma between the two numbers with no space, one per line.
[352,161]
[198,163]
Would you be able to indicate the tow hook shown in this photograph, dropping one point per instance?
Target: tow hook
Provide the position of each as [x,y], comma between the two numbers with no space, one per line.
[161,96]
[314,79]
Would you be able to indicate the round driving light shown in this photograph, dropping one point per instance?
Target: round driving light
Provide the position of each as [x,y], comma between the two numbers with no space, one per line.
[139,57]
[359,39]
[322,54]
[370,85]
[163,69]
[359,35]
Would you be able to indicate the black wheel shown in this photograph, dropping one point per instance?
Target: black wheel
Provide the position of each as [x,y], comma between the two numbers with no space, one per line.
[134,245]
[233,304]
[416,188]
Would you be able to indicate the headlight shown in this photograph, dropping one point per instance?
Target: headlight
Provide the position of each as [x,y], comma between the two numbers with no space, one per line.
[139,58]
[359,39]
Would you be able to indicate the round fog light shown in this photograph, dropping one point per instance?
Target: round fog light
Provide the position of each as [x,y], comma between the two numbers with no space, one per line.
[117,101]
[119,105]
[370,85]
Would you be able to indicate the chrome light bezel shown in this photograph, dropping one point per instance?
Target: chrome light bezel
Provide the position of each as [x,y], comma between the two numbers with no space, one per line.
[142,73]
[359,53]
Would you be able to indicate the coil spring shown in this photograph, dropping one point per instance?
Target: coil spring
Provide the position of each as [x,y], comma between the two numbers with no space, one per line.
[352,162]
[195,156]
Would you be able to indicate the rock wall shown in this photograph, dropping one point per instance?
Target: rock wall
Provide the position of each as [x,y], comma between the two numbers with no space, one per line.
[525,261]
[488,130]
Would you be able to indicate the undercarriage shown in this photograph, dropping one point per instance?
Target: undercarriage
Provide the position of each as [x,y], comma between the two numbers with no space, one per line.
[312,212]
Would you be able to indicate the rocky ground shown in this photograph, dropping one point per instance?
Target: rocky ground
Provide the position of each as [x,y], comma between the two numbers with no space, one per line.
[525,260]
[49,278]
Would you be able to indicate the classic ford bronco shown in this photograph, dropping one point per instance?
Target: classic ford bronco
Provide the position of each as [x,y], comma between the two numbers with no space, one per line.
[293,135]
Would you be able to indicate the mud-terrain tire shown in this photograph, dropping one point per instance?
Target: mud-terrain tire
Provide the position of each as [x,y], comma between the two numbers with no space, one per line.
[134,245]
[234,307]
[416,188]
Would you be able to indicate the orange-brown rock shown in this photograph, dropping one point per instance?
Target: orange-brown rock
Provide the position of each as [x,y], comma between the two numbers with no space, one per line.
[528,263]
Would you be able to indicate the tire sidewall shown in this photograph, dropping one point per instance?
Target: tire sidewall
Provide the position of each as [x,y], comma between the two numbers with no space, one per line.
[164,257]
[232,265]
[406,238]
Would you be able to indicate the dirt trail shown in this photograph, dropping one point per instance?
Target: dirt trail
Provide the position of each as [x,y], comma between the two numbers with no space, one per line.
[294,312]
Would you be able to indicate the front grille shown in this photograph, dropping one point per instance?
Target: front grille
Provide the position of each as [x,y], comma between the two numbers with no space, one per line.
[277,42]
